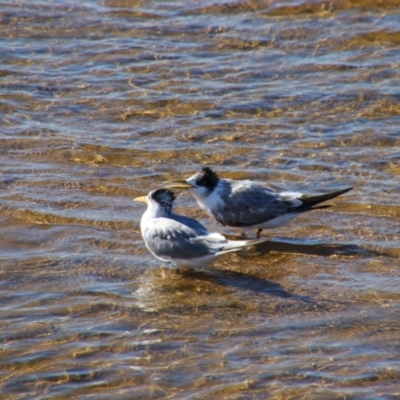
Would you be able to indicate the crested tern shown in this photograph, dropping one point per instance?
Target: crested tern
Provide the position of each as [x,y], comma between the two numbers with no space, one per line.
[245,204]
[181,240]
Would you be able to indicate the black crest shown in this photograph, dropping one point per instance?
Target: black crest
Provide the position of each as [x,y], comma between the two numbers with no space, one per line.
[164,197]
[207,178]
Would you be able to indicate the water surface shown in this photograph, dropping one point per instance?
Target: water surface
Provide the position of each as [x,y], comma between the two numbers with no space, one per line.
[102,101]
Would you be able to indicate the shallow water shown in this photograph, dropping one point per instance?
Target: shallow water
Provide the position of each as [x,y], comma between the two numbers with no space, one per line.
[102,101]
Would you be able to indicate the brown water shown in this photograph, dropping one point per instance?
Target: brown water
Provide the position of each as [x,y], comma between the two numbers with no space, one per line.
[102,101]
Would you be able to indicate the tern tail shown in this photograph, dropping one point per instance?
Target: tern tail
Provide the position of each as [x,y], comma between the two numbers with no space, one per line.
[236,245]
[309,203]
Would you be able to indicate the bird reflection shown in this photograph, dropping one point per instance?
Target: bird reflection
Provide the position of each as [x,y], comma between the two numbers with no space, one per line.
[189,289]
[315,249]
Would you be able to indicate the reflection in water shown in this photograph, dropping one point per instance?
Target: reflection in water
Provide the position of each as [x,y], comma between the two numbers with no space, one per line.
[101,102]
[320,249]
[171,290]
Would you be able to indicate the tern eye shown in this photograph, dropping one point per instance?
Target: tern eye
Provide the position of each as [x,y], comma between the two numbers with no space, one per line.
[207,178]
[201,182]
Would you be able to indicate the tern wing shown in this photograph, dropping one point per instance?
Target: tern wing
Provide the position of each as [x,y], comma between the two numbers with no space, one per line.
[190,223]
[247,203]
[311,202]
[170,239]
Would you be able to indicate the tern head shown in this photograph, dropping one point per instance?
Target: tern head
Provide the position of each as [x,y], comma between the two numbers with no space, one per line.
[160,198]
[202,183]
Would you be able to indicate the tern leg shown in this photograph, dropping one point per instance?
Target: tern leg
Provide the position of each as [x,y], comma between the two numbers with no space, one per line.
[259,230]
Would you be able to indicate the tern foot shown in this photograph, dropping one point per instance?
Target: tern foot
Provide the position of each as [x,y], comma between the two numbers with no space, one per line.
[259,233]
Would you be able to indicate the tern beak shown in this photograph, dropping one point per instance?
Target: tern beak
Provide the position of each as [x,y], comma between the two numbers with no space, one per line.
[178,184]
[142,199]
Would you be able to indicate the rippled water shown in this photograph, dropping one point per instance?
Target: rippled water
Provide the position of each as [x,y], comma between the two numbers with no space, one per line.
[102,101]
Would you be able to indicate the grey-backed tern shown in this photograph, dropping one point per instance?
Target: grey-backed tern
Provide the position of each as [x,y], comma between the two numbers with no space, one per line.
[245,204]
[181,240]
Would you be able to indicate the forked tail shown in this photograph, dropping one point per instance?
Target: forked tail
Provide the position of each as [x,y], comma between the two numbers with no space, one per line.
[309,203]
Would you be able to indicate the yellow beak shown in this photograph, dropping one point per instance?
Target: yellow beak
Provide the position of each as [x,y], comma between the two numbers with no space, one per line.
[142,199]
[178,184]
